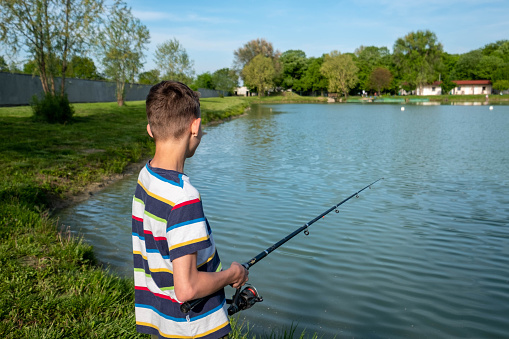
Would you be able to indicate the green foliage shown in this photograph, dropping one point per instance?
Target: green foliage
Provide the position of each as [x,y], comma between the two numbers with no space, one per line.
[467,66]
[204,80]
[313,79]
[417,57]
[501,85]
[173,62]
[225,80]
[243,55]
[52,108]
[294,64]
[368,58]
[380,79]
[341,72]
[121,44]
[149,78]
[83,68]
[447,85]
[259,73]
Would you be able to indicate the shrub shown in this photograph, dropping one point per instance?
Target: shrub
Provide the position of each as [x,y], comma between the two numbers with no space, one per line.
[52,108]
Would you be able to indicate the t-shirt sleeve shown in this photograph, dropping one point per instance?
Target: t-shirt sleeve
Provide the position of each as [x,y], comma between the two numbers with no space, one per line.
[187,230]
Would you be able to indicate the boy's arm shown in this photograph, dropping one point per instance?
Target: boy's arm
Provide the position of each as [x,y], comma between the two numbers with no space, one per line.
[192,284]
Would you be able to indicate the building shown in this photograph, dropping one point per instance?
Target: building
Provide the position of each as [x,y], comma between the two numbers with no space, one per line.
[463,87]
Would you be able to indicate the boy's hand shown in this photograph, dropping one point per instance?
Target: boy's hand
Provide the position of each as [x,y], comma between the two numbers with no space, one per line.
[240,275]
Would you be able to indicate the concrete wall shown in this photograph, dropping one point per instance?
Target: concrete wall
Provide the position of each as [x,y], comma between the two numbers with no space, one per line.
[18,89]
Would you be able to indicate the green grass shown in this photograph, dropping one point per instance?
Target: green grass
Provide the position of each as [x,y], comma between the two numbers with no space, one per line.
[286,97]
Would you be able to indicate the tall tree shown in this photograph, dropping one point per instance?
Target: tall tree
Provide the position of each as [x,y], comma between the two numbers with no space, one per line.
[380,79]
[204,80]
[368,58]
[418,57]
[149,77]
[467,66]
[173,61]
[83,68]
[225,80]
[341,72]
[259,73]
[51,31]
[121,44]
[243,55]
[313,79]
[294,65]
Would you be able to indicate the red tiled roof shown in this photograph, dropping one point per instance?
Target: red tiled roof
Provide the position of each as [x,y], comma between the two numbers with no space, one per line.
[472,82]
[466,82]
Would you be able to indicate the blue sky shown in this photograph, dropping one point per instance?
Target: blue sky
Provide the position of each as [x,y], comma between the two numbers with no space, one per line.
[211,31]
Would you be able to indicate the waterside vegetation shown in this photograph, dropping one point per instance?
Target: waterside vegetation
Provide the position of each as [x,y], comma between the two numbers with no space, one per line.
[52,284]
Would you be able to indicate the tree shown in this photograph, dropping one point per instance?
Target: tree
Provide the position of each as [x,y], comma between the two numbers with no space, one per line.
[501,85]
[149,78]
[313,79]
[467,67]
[380,79]
[204,80]
[341,72]
[418,57]
[294,65]
[83,68]
[259,73]
[51,31]
[368,58]
[173,61]
[447,85]
[225,80]
[121,44]
[243,55]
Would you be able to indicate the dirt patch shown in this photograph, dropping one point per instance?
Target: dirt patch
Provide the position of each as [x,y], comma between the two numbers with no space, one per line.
[92,188]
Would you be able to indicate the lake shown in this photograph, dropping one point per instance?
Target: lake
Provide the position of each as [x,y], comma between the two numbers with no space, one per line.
[424,253]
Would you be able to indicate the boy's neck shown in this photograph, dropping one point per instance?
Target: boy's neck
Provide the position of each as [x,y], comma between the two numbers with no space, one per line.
[170,155]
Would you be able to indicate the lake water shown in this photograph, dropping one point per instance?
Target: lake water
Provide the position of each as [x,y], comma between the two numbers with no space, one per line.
[424,253]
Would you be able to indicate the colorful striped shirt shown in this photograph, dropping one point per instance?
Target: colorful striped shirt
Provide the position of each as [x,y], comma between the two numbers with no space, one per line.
[168,222]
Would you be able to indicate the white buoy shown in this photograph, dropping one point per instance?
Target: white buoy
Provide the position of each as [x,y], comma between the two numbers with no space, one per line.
[402,108]
[491,108]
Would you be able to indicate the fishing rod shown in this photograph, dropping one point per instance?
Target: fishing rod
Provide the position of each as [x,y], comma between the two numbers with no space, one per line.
[249,295]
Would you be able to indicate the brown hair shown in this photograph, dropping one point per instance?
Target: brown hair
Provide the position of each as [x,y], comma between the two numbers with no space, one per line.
[171,107]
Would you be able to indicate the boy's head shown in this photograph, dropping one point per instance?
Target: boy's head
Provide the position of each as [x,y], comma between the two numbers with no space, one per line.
[171,108]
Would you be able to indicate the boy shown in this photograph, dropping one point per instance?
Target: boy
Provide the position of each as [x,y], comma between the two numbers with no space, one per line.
[175,259]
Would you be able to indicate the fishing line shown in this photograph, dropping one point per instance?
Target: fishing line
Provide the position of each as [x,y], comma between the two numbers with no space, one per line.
[246,298]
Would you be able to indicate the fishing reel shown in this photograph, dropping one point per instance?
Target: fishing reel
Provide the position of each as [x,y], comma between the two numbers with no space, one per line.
[242,300]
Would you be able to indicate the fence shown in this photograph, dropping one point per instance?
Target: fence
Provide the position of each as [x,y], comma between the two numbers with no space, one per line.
[18,89]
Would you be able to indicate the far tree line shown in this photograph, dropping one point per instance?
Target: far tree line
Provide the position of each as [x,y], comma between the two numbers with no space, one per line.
[61,37]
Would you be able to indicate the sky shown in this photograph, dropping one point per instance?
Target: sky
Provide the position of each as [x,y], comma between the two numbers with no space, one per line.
[211,31]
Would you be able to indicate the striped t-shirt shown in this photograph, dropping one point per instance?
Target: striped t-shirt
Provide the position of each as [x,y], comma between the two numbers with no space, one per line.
[168,222]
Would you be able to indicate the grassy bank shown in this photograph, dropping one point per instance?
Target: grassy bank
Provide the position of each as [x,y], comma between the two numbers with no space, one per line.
[51,285]
[286,97]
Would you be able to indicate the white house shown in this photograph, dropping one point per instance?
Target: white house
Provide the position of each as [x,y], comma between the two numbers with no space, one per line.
[242,91]
[463,87]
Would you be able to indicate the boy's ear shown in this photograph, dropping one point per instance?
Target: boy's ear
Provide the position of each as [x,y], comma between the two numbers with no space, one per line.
[195,126]
[149,131]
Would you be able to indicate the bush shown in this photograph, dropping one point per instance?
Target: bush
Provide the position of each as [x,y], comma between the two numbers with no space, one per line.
[52,108]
